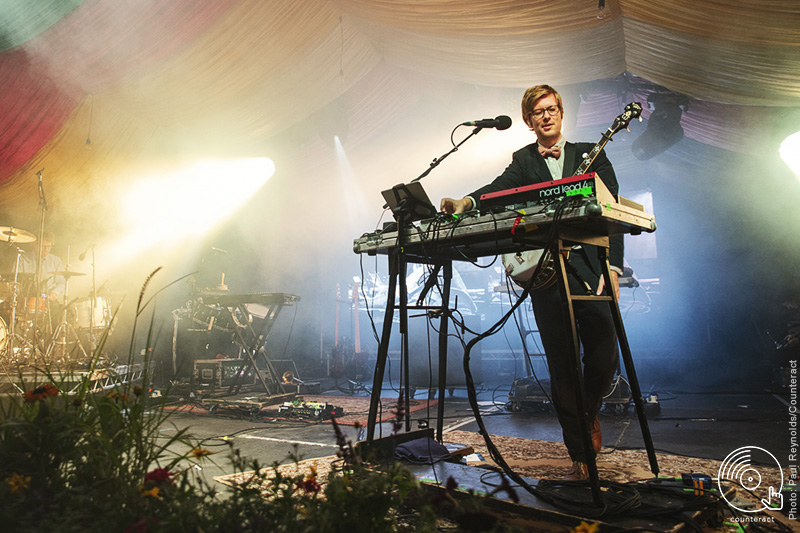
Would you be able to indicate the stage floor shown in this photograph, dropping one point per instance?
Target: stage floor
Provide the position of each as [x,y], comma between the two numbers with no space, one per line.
[706,426]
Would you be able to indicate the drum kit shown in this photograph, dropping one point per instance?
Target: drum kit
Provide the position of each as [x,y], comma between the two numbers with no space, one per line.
[34,323]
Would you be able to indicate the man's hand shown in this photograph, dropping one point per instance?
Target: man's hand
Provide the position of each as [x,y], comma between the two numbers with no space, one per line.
[614,282]
[452,206]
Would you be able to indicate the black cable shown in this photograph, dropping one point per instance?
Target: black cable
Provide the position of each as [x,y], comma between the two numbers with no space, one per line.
[612,501]
[525,349]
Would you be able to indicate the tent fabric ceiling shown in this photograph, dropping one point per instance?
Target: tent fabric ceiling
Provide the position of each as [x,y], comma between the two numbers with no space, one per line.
[105,88]
[23,20]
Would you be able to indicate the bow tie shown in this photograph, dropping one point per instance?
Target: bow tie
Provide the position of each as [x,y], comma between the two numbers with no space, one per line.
[554,152]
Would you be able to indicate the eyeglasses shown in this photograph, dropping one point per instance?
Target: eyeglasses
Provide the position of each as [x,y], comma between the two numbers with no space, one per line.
[539,113]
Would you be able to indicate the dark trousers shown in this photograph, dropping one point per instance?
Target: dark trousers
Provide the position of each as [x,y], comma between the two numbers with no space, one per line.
[600,359]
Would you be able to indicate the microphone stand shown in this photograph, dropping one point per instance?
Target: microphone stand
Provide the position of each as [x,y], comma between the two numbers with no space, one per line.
[40,248]
[437,160]
[403,215]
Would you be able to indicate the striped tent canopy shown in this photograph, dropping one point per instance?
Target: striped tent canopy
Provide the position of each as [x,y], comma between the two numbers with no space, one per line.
[102,88]
[97,94]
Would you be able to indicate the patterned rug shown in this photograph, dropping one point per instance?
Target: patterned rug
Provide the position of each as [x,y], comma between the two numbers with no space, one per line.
[548,460]
[540,459]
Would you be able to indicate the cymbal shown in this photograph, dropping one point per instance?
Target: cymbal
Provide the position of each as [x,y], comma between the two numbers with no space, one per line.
[9,234]
[68,273]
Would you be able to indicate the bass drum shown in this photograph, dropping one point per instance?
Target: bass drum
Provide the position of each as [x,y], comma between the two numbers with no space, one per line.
[86,318]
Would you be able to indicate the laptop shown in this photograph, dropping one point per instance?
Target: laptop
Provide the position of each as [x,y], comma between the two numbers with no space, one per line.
[412,198]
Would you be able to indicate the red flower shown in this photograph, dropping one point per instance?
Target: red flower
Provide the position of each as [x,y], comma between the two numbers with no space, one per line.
[159,475]
[141,525]
[309,485]
[40,393]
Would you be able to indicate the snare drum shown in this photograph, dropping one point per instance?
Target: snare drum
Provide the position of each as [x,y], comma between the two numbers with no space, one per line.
[32,302]
[82,311]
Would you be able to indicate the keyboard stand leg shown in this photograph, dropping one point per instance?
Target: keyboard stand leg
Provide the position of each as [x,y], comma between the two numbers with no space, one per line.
[444,320]
[627,358]
[576,369]
[577,372]
[383,349]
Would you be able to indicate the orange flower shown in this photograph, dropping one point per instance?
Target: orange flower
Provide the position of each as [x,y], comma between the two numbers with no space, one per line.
[585,527]
[18,483]
[40,393]
[113,395]
[153,493]
[199,453]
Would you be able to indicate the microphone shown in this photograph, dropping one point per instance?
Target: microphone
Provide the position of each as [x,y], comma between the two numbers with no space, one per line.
[83,255]
[503,122]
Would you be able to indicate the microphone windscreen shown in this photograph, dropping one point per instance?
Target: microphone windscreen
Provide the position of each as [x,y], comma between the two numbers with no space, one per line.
[503,122]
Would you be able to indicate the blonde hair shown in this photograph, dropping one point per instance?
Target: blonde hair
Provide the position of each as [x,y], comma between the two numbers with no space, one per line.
[533,95]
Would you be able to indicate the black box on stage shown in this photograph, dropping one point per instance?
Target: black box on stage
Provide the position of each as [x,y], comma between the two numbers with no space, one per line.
[223,372]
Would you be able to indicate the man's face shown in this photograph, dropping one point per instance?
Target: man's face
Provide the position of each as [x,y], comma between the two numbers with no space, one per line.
[547,127]
[46,246]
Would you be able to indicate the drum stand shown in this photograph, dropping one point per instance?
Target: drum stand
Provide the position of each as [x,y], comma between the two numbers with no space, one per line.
[64,330]
[12,331]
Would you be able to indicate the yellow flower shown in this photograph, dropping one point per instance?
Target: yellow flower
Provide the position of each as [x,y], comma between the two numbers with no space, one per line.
[585,527]
[18,483]
[153,493]
[199,453]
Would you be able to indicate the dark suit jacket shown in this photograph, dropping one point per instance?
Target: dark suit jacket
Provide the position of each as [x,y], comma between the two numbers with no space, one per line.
[528,167]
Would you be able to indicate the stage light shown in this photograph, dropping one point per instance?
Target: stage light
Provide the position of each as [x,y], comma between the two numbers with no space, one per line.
[790,152]
[190,201]
[663,127]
